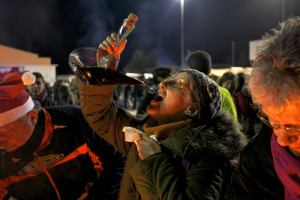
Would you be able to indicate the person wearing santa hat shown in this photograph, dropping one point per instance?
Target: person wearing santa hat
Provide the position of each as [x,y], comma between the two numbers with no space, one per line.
[53,153]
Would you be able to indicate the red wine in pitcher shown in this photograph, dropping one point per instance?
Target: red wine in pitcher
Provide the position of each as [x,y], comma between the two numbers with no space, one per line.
[94,75]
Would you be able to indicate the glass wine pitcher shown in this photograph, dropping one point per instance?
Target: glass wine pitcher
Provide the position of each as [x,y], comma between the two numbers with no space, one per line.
[94,66]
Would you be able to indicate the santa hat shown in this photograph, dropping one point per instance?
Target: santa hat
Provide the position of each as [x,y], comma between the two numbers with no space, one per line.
[15,102]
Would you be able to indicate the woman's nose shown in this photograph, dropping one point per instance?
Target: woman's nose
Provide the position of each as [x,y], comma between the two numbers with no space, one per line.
[284,139]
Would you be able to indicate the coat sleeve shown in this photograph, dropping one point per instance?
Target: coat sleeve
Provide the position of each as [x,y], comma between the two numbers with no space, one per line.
[162,177]
[103,116]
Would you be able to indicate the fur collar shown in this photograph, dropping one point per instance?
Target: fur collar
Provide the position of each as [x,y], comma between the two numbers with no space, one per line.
[222,137]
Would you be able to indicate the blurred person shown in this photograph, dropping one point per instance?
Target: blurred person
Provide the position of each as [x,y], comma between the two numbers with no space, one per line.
[201,61]
[55,90]
[214,78]
[51,152]
[159,74]
[127,97]
[118,95]
[241,98]
[49,89]
[38,91]
[138,95]
[186,142]
[229,81]
[246,109]
[61,93]
[73,91]
[269,166]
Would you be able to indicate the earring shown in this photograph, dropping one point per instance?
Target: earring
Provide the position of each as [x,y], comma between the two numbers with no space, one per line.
[191,112]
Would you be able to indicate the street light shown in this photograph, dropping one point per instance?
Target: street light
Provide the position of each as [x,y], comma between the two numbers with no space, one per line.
[182,33]
[283,10]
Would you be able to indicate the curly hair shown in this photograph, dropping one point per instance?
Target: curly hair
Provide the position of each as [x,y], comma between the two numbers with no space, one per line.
[275,79]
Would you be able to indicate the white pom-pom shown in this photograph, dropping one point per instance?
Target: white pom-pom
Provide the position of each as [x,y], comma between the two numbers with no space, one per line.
[28,78]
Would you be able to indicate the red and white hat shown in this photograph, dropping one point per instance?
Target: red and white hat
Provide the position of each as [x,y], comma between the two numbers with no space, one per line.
[15,102]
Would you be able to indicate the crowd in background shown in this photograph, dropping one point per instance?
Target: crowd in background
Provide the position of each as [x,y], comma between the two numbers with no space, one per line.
[61,93]
[236,84]
[138,97]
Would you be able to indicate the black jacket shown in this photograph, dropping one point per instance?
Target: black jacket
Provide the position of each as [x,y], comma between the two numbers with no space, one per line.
[255,176]
[73,157]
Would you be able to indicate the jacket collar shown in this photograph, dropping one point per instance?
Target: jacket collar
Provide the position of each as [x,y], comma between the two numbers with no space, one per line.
[164,131]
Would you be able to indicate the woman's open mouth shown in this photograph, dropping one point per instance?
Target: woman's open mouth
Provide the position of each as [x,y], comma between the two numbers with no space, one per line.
[158,98]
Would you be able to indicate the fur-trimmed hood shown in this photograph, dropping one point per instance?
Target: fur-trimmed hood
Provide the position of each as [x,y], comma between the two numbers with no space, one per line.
[222,137]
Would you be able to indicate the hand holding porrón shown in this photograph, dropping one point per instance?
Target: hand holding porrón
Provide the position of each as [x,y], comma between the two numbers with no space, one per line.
[108,52]
[110,49]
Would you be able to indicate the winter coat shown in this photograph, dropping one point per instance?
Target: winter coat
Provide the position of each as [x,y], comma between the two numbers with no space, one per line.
[255,176]
[194,161]
[73,155]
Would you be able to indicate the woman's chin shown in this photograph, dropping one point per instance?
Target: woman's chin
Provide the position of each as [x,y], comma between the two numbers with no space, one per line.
[152,110]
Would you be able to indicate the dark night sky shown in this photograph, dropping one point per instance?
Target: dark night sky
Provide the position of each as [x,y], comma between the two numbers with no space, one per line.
[53,28]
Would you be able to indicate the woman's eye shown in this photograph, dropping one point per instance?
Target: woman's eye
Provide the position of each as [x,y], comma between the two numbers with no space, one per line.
[180,84]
